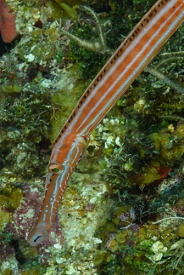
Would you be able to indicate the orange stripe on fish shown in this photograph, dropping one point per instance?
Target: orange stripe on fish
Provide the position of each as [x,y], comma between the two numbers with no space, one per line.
[129,60]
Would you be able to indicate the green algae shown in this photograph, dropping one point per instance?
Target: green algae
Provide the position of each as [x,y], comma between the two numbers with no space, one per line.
[89,61]
[148,175]
[69,89]
[57,12]
[11,89]
[5,219]
[7,271]
[70,2]
[169,145]
[37,270]
[71,12]
[181,230]
[10,198]
[100,257]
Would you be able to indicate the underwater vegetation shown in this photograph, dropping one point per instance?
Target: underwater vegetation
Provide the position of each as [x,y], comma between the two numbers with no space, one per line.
[121,213]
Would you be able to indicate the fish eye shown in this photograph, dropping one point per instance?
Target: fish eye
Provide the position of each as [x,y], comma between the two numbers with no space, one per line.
[54,169]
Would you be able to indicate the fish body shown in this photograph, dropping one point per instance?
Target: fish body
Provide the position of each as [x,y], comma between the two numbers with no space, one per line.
[128,61]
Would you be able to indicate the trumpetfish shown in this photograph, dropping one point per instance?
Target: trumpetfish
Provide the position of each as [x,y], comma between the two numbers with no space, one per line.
[128,61]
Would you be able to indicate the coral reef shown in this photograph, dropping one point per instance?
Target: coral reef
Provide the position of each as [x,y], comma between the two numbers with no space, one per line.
[122,210]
